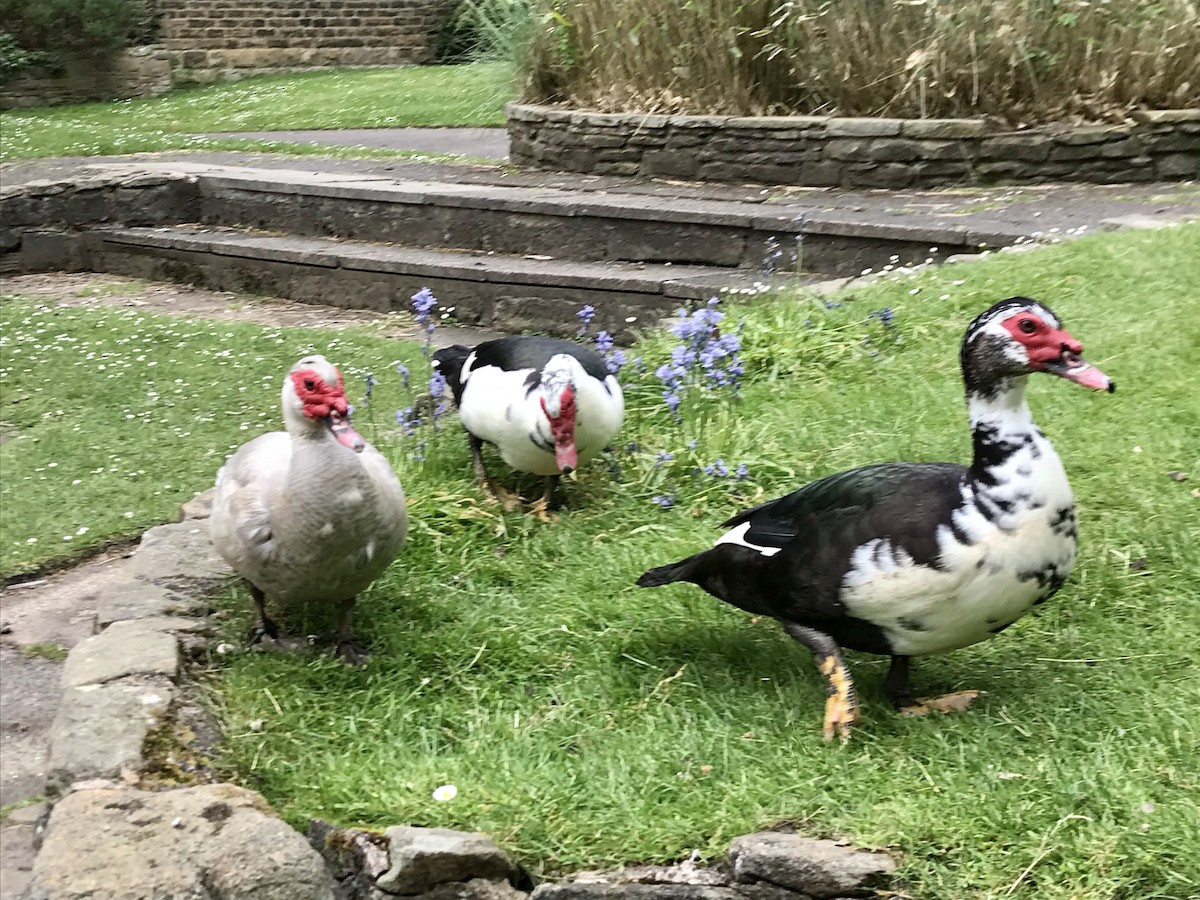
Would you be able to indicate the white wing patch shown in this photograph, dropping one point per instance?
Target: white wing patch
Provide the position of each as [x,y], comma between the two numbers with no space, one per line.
[738,536]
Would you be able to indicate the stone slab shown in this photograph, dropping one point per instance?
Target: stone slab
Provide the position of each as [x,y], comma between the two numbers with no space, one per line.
[820,868]
[99,729]
[123,650]
[195,843]
[421,858]
[180,557]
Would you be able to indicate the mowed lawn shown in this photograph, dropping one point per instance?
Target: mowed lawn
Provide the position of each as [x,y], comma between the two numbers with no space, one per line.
[586,722]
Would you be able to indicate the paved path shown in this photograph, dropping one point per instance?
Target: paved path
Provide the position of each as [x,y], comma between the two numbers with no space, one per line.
[481,143]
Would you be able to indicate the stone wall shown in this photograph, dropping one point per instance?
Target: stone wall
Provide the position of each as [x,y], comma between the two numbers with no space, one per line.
[823,151]
[135,72]
[228,39]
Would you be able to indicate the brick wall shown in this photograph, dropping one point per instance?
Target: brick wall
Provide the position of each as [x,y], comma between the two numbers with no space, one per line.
[213,39]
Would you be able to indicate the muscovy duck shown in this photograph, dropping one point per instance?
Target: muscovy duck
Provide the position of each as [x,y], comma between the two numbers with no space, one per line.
[911,559]
[313,514]
[548,406]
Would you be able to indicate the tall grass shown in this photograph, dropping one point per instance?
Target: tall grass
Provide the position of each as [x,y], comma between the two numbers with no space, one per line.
[1021,61]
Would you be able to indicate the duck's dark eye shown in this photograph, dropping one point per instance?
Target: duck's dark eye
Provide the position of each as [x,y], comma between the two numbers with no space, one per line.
[310,384]
[1027,325]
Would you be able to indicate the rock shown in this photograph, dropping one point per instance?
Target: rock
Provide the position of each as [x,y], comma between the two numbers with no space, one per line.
[199,843]
[123,649]
[356,858]
[200,506]
[133,599]
[815,867]
[99,729]
[423,857]
[605,890]
[180,557]
[475,889]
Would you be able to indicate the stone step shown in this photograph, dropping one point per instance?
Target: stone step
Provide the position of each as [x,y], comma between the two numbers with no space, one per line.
[585,225]
[502,292]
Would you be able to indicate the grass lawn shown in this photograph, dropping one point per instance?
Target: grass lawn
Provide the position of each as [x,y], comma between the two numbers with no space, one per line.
[586,722]
[468,95]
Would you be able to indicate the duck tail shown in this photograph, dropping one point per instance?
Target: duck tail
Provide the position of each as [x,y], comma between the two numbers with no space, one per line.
[669,574]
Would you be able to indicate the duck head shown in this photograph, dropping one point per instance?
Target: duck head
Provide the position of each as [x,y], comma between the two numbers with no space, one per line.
[1020,336]
[558,404]
[315,400]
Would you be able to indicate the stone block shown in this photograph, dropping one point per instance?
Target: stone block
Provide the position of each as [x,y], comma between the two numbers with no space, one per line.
[849,127]
[48,251]
[825,173]
[1017,147]
[420,858]
[675,163]
[1177,165]
[182,558]
[896,150]
[818,868]
[848,149]
[1089,134]
[1165,116]
[943,128]
[207,841]
[892,176]
[122,650]
[99,729]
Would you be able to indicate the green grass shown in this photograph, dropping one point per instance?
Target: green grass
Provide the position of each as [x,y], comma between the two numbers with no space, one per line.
[586,722]
[469,95]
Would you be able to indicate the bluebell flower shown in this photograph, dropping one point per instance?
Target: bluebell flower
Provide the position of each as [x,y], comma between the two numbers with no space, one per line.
[887,316]
[371,382]
[742,472]
[585,316]
[717,469]
[422,302]
[662,457]
[405,375]
[666,502]
[604,341]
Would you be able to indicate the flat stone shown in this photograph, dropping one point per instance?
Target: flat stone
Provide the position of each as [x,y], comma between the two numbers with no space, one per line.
[615,890]
[423,857]
[196,843]
[99,729]
[943,128]
[121,651]
[180,557]
[131,599]
[850,127]
[1031,147]
[819,868]
[200,506]
[1165,116]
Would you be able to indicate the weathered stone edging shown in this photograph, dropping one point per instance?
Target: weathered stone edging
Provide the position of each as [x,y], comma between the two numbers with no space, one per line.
[825,151]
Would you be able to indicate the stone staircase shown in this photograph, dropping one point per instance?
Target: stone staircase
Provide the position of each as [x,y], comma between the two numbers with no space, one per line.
[506,257]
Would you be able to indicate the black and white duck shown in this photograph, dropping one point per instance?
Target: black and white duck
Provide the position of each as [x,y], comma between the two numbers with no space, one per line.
[913,559]
[547,405]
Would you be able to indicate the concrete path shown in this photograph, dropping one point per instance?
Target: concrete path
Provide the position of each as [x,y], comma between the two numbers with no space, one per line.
[481,143]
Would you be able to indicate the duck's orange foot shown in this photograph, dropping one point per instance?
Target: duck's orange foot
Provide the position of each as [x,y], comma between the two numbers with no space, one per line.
[502,495]
[841,707]
[946,703]
[540,509]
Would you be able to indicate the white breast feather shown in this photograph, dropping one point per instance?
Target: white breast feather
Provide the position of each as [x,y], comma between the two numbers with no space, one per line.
[976,589]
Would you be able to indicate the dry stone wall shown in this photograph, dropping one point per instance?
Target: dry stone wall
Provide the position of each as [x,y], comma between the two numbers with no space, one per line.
[136,72]
[823,151]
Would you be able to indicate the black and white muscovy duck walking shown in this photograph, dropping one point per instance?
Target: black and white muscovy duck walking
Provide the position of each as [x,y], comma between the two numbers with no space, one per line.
[312,514]
[912,559]
[548,406]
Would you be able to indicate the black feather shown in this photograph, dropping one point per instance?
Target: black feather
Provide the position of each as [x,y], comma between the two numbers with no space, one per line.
[450,363]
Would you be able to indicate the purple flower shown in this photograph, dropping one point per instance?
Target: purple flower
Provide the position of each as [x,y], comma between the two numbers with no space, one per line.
[887,316]
[371,382]
[662,457]
[405,375]
[742,472]
[666,502]
[585,316]
[717,470]
[422,302]
[604,341]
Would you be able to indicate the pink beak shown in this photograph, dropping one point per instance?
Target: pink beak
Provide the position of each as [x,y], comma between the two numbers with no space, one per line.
[1074,367]
[344,432]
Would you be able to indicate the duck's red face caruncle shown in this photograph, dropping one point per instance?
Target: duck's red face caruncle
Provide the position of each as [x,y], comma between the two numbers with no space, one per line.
[326,403]
[560,412]
[1054,350]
